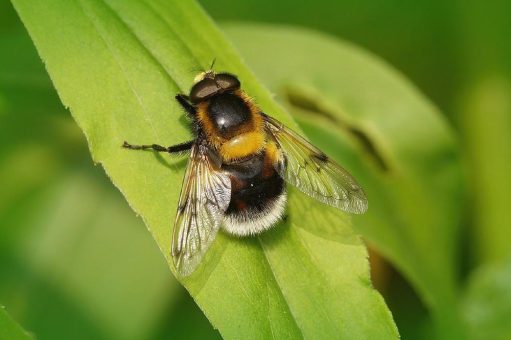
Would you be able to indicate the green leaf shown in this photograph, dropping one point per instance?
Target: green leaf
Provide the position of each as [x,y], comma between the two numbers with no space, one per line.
[117,65]
[9,329]
[361,112]
[487,302]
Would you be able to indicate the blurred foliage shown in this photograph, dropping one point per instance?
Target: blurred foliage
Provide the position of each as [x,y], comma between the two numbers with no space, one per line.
[457,52]
[417,37]
[484,119]
[487,302]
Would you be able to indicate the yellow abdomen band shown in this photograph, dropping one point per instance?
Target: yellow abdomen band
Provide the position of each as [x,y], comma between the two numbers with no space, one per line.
[243,145]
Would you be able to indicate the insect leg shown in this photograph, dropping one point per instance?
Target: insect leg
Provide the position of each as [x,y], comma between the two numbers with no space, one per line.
[170,149]
[181,147]
[183,101]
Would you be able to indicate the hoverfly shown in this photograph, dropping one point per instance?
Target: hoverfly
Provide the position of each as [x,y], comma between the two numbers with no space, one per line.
[239,162]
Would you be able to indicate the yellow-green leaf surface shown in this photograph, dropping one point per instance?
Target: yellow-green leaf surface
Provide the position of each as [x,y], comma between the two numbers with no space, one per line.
[117,65]
[364,114]
[9,329]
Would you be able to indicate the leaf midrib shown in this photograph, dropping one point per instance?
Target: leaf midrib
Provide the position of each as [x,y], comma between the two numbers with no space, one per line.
[293,317]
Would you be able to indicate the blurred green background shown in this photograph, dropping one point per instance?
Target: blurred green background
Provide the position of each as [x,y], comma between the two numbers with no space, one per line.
[71,249]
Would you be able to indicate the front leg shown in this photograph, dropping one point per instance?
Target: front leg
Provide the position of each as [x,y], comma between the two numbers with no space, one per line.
[183,101]
[170,149]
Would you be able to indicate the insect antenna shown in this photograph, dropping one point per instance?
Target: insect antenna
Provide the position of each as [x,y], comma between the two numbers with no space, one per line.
[212,64]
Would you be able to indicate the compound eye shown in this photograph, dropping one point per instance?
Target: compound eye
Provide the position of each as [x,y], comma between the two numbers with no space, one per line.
[227,81]
[203,90]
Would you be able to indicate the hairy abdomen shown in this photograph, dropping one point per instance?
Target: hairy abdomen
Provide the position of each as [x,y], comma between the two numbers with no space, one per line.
[257,196]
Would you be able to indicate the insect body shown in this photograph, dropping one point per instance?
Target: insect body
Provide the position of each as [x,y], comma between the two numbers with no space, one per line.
[239,162]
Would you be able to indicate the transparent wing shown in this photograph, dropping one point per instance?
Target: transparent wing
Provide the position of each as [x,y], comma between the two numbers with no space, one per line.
[311,171]
[205,196]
